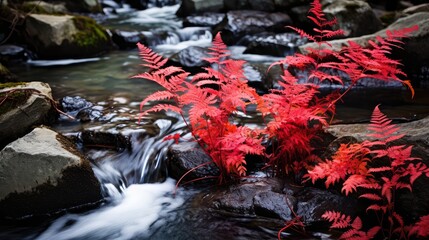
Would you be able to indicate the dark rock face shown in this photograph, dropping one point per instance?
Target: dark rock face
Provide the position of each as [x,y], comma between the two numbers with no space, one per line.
[355,17]
[80,108]
[191,59]
[41,174]
[128,40]
[312,204]
[186,156]
[106,140]
[238,23]
[12,53]
[24,109]
[280,45]
[203,20]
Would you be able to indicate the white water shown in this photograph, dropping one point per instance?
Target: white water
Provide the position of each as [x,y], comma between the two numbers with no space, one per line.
[134,213]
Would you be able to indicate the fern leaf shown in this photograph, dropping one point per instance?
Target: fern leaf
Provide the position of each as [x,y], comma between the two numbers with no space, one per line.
[371,196]
[157,96]
[153,60]
[338,219]
[352,183]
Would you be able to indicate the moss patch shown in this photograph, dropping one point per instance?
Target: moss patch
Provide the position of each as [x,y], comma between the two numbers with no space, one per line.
[11,84]
[90,33]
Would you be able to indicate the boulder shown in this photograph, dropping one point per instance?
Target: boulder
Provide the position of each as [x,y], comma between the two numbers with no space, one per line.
[127,40]
[42,173]
[287,4]
[280,44]
[189,7]
[191,59]
[42,7]
[416,9]
[355,17]
[207,19]
[242,22]
[185,156]
[26,105]
[59,37]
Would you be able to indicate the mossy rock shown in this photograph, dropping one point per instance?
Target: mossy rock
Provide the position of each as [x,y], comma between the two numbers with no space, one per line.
[90,34]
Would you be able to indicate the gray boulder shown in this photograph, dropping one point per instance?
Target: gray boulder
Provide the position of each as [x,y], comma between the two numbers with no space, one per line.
[355,17]
[42,173]
[26,105]
[58,37]
[242,22]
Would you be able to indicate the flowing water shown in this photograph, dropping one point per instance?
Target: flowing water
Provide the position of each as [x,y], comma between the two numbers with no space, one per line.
[139,196]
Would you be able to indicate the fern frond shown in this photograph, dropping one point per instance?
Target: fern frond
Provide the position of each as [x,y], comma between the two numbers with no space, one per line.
[152,59]
[338,219]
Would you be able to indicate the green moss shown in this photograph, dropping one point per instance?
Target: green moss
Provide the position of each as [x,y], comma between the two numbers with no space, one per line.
[90,33]
[11,84]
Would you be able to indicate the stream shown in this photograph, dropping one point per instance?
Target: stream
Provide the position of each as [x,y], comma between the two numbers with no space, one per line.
[140,200]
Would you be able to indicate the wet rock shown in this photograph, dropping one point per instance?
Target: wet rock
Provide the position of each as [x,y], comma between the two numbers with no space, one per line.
[87,6]
[299,17]
[80,108]
[242,22]
[186,156]
[206,19]
[58,37]
[191,59]
[26,105]
[43,7]
[128,40]
[274,205]
[144,4]
[240,198]
[189,7]
[355,17]
[312,203]
[287,4]
[280,45]
[42,174]
[105,140]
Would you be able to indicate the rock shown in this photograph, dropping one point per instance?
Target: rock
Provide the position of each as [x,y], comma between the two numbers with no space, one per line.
[416,9]
[6,75]
[274,205]
[42,7]
[355,17]
[280,45]
[42,174]
[415,51]
[80,109]
[206,19]
[105,140]
[238,23]
[312,203]
[128,40]
[189,7]
[299,18]
[58,37]
[191,59]
[28,105]
[240,198]
[185,156]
